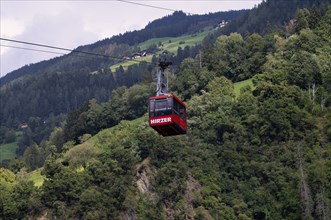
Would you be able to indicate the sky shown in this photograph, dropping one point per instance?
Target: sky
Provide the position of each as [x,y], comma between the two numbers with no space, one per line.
[72,23]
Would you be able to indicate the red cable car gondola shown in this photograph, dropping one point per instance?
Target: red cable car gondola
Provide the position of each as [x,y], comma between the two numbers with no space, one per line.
[167,113]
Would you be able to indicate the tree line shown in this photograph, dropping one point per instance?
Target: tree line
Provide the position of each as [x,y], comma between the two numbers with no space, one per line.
[122,44]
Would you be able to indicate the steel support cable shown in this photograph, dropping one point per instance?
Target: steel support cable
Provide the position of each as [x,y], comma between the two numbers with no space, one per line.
[69,50]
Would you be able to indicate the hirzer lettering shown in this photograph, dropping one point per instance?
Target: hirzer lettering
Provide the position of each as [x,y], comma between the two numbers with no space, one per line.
[160,120]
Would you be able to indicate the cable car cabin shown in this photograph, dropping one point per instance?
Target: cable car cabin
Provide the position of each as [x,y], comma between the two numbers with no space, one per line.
[167,115]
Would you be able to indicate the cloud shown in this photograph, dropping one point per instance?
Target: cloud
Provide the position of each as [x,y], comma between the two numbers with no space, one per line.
[65,30]
[73,23]
[65,24]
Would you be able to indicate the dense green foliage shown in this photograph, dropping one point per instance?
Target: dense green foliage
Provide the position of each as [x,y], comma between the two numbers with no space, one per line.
[8,151]
[262,154]
[91,117]
[174,25]
[269,16]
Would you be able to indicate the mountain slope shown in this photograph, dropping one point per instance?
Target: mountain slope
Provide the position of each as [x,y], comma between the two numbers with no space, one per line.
[66,82]
[262,154]
[162,27]
[269,16]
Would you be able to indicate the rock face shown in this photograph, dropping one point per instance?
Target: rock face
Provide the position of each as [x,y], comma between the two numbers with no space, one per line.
[128,215]
[190,194]
[144,176]
[143,183]
[192,191]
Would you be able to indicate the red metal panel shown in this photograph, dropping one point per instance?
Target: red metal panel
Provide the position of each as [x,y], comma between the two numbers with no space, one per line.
[178,100]
[164,96]
[179,121]
[161,120]
[168,125]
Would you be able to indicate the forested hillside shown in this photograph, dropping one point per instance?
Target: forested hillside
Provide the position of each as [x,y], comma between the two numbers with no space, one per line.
[52,83]
[174,25]
[113,49]
[263,154]
[65,94]
[269,16]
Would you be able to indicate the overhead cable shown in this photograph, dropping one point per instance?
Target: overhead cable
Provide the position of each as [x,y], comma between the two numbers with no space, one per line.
[37,50]
[151,6]
[66,49]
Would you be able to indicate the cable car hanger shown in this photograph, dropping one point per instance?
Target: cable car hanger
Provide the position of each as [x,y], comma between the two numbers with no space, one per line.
[167,113]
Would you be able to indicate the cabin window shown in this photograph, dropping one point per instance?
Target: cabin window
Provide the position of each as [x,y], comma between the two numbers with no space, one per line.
[179,110]
[182,112]
[160,107]
[167,106]
[176,107]
[151,108]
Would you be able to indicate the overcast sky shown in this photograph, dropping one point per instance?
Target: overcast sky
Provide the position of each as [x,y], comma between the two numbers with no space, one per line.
[70,24]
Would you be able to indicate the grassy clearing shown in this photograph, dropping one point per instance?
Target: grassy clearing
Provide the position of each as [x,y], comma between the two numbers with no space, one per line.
[37,178]
[8,151]
[241,84]
[172,43]
[183,41]
[118,132]
[144,45]
[169,44]
[125,64]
